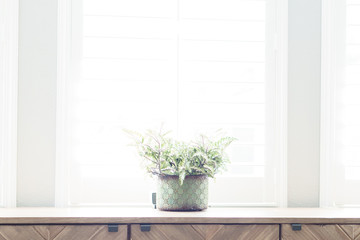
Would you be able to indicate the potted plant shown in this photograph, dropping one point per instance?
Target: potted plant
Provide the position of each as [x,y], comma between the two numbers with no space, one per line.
[182,168]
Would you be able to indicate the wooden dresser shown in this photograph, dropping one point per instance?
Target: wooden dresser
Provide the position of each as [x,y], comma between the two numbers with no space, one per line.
[145,223]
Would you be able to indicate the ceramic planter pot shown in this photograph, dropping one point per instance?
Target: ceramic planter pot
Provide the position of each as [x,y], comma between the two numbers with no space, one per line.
[191,196]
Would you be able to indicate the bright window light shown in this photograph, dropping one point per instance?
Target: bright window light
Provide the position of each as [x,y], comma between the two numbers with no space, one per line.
[193,65]
[342,86]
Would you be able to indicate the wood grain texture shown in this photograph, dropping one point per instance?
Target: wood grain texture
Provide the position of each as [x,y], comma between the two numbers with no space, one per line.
[61,232]
[148,215]
[322,232]
[352,230]
[206,232]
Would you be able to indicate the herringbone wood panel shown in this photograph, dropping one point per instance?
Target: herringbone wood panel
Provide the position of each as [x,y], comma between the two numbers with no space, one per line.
[322,232]
[352,230]
[206,232]
[61,232]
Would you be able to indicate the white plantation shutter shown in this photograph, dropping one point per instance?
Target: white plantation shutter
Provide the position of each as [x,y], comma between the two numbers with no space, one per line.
[194,65]
[8,101]
[341,140]
[2,145]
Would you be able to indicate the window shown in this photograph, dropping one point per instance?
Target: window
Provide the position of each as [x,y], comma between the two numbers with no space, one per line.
[194,65]
[8,101]
[341,104]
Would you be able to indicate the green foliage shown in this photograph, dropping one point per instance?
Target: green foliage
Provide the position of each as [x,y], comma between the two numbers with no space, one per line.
[163,155]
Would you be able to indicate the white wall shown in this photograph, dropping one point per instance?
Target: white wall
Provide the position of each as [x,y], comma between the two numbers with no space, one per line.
[37,101]
[304,103]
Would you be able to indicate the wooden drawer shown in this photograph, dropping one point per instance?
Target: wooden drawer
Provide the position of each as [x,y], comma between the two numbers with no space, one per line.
[205,232]
[61,232]
[319,232]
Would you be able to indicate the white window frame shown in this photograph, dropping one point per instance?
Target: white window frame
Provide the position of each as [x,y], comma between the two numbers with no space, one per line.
[328,66]
[64,72]
[281,112]
[9,13]
[329,75]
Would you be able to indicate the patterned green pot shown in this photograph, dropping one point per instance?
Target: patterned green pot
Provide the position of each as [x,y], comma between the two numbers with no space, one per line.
[191,196]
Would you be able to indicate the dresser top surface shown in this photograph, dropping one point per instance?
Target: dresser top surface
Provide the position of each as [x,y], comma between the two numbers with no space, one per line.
[148,215]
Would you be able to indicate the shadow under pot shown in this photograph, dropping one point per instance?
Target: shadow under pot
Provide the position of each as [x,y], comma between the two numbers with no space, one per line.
[192,195]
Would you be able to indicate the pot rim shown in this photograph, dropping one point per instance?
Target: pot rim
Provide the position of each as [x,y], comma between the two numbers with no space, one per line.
[187,176]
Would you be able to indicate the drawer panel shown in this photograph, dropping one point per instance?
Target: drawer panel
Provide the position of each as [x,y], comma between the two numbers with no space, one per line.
[316,231]
[205,232]
[61,232]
